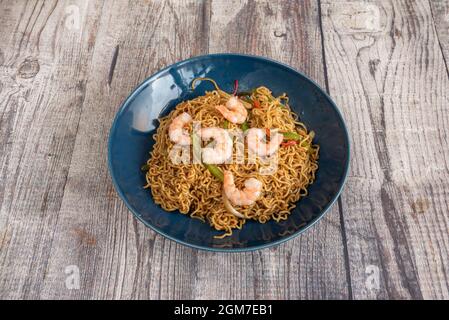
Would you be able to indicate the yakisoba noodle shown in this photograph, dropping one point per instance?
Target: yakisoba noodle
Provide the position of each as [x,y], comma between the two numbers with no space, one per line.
[192,189]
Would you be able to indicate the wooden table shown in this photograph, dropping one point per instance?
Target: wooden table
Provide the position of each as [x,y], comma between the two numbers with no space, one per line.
[66,66]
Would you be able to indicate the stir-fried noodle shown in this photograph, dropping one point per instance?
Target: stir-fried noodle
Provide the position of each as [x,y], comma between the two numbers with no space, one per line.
[193,189]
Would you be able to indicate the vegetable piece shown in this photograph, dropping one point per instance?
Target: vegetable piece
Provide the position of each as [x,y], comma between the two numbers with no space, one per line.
[230,208]
[145,167]
[245,126]
[216,172]
[244,93]
[256,104]
[226,124]
[292,136]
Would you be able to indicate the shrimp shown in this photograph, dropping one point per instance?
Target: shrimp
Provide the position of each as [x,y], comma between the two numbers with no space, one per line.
[245,197]
[176,132]
[261,148]
[234,111]
[222,150]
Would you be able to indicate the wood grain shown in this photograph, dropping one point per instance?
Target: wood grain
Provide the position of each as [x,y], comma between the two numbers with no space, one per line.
[387,73]
[440,14]
[43,76]
[126,260]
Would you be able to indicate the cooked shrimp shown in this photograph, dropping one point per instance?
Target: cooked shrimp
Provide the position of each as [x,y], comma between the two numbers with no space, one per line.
[245,197]
[176,130]
[222,150]
[234,111]
[257,145]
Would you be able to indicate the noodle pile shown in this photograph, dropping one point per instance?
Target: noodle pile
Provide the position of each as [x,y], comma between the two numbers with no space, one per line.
[193,190]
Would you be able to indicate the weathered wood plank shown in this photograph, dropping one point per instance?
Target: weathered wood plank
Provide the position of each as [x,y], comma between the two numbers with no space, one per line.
[387,73]
[62,80]
[116,256]
[313,265]
[440,13]
[42,78]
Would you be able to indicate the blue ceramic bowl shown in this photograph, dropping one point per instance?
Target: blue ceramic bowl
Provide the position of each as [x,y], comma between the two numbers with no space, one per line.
[130,142]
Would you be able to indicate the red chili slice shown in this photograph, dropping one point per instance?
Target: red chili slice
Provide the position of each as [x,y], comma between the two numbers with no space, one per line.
[236,87]
[289,143]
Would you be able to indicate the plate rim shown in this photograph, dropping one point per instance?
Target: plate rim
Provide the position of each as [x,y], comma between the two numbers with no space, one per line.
[154,76]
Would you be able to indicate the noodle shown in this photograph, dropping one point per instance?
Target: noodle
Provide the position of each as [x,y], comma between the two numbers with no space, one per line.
[193,190]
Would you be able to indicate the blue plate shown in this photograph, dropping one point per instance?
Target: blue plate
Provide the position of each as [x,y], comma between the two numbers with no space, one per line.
[130,142]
